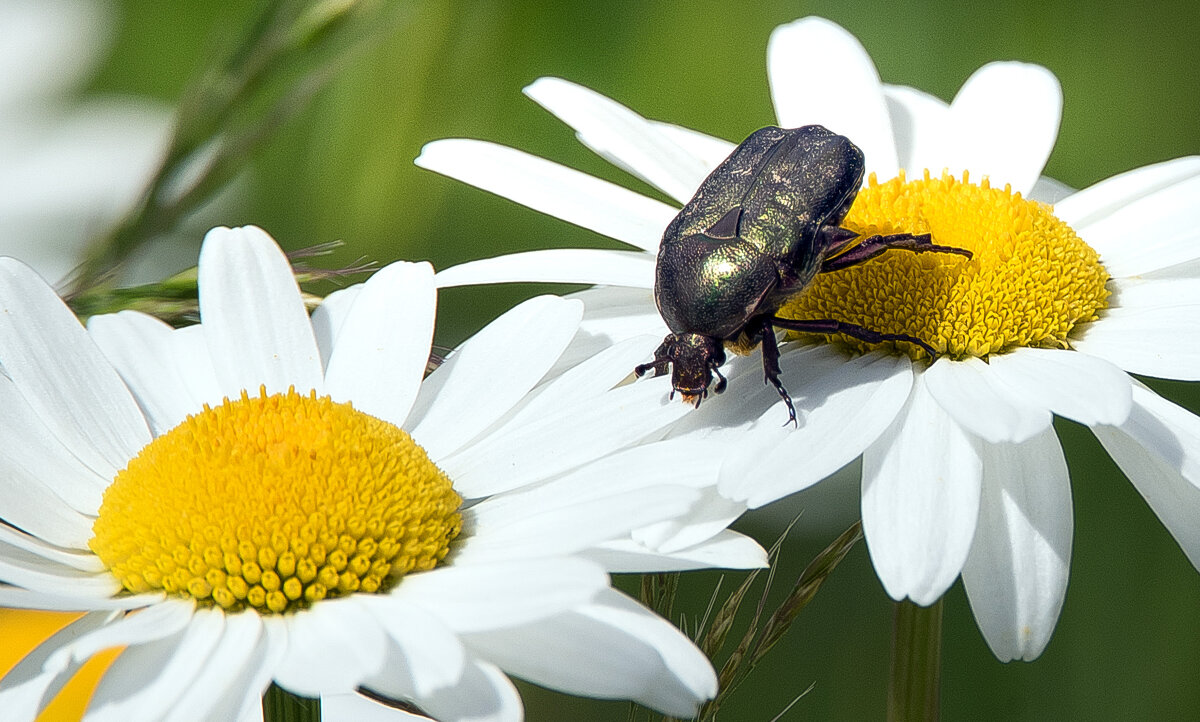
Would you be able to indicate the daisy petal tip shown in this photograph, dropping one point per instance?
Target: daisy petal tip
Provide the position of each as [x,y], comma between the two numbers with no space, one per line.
[436,154]
[224,240]
[546,84]
[1019,72]
[811,27]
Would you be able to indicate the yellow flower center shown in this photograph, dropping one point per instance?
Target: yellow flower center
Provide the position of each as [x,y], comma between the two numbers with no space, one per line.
[1031,278]
[276,502]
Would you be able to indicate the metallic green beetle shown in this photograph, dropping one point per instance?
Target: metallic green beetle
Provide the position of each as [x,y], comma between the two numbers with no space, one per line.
[759,229]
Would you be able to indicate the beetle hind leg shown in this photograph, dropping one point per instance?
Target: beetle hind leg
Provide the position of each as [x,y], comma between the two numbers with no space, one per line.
[873,246]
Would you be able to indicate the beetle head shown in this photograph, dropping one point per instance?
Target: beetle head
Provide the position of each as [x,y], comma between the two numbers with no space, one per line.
[694,359]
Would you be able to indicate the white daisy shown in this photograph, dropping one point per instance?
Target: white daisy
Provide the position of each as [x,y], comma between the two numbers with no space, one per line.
[215,504]
[68,169]
[1111,275]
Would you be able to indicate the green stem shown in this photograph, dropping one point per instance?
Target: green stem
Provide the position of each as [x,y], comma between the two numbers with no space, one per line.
[282,706]
[914,689]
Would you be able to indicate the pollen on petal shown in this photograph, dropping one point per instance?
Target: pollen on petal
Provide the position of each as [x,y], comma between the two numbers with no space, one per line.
[276,502]
[1030,280]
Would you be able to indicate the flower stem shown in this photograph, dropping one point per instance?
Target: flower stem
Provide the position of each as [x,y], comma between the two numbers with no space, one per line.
[914,689]
[282,706]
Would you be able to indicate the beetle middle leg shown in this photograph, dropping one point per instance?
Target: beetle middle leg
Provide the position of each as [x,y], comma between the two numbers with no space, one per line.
[770,354]
[862,333]
[875,245]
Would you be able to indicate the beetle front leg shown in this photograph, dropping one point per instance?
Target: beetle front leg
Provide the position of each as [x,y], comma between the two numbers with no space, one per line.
[770,355]
[862,333]
[660,364]
[875,245]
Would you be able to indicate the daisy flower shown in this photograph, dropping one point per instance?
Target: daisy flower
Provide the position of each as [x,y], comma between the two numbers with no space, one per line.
[70,168]
[268,497]
[962,471]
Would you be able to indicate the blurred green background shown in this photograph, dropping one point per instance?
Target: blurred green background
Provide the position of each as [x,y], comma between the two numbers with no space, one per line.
[1128,643]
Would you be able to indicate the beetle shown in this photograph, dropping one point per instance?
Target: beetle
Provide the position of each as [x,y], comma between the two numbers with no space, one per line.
[760,228]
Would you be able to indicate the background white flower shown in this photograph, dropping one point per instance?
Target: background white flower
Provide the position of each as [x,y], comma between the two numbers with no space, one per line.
[68,168]
[1006,521]
[518,592]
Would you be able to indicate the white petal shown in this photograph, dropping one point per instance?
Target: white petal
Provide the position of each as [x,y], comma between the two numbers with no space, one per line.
[750,402]
[1168,432]
[29,686]
[556,265]
[49,47]
[354,706]
[1048,190]
[44,489]
[1140,221]
[707,148]
[151,624]
[1003,124]
[1157,448]
[799,56]
[1016,573]
[622,136]
[1074,385]
[491,372]
[383,346]
[612,314]
[152,676]
[550,188]
[967,391]
[254,319]
[139,347]
[597,501]
[245,704]
[331,647]
[1162,341]
[228,665]
[520,454]
[190,355]
[591,378]
[1092,205]
[38,574]
[920,499]
[330,316]
[483,695]
[919,124]
[842,407]
[84,561]
[503,594]
[613,648]
[433,655]
[17,598]
[523,529]
[726,550]
[63,376]
[710,515]
[1138,293]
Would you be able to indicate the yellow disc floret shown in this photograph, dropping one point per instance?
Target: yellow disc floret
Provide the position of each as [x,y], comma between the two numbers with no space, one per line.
[275,502]
[1030,280]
